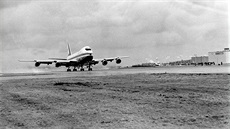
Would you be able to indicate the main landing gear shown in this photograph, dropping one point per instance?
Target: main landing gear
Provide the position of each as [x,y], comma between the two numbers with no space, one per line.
[69,70]
[81,69]
[89,68]
[74,69]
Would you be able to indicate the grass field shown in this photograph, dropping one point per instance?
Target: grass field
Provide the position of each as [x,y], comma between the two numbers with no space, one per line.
[117,101]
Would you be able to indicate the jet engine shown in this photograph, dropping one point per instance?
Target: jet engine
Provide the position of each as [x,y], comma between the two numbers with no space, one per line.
[37,64]
[104,62]
[118,61]
[57,65]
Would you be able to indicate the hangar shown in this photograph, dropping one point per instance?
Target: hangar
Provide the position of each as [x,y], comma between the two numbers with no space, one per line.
[219,57]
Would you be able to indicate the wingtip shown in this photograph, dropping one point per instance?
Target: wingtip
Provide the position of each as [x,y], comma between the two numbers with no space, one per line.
[27,60]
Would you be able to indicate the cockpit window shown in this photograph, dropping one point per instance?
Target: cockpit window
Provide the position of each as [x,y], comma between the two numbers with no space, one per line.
[87,49]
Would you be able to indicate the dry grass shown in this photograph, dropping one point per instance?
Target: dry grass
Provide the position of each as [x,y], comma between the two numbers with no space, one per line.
[119,101]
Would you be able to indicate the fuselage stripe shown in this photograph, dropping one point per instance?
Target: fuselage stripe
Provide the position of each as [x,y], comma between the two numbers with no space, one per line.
[80,55]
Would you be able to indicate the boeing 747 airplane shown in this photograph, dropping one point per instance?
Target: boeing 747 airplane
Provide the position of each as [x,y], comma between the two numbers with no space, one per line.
[77,60]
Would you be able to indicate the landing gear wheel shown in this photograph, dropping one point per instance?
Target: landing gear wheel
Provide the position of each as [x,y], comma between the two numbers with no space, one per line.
[82,69]
[90,69]
[68,70]
[74,69]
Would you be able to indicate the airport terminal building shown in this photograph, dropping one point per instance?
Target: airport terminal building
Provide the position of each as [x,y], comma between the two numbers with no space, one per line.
[219,57]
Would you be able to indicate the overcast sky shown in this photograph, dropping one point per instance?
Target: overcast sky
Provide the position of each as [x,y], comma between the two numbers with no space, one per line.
[144,30]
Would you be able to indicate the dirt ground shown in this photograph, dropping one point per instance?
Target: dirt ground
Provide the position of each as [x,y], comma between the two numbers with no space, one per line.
[117,101]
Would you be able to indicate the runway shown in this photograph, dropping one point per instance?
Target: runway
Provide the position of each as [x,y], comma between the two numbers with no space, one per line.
[50,73]
[123,98]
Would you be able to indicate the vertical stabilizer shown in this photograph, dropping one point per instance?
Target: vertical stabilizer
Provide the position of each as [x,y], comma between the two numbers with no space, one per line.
[69,51]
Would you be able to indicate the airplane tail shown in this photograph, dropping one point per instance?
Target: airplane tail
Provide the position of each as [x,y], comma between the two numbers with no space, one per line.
[69,51]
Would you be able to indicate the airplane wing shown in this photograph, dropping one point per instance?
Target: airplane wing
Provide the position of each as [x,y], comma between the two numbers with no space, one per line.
[58,63]
[105,60]
[111,58]
[38,62]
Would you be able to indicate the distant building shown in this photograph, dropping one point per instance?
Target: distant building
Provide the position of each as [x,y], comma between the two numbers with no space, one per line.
[199,59]
[220,57]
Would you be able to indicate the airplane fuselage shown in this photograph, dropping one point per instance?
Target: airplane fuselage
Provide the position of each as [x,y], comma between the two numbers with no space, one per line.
[84,55]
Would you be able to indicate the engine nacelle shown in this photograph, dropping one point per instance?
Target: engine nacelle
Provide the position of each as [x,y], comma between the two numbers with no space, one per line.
[57,65]
[118,61]
[104,62]
[37,64]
